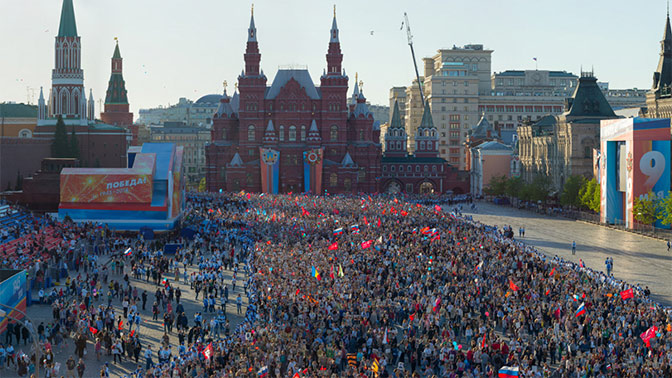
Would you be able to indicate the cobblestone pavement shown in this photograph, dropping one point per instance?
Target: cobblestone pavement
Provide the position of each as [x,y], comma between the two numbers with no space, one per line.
[151,331]
[637,259]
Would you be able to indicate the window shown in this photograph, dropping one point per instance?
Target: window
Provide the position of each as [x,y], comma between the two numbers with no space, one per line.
[361,176]
[292,133]
[281,133]
[250,152]
[361,134]
[417,168]
[333,180]
[250,133]
[303,133]
[334,133]
[347,183]
[25,133]
[454,117]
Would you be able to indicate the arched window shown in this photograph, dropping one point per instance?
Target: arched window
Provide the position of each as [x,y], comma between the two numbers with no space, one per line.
[250,133]
[281,133]
[347,183]
[417,168]
[292,133]
[25,133]
[303,133]
[334,133]
[64,103]
[409,168]
[426,168]
[333,180]
[361,134]
[223,133]
[422,145]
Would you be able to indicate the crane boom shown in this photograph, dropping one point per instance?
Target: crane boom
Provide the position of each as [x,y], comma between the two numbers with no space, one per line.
[415,64]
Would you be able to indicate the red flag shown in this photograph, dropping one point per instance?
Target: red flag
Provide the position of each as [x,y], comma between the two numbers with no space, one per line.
[93,330]
[396,200]
[548,291]
[304,212]
[208,351]
[333,246]
[366,222]
[483,341]
[625,294]
[378,224]
[411,317]
[436,237]
[331,272]
[367,244]
[513,286]
[437,208]
[403,213]
[121,325]
[132,333]
[273,218]
[648,335]
[552,271]
[249,196]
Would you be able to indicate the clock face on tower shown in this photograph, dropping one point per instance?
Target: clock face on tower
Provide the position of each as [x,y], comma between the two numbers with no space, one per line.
[536,77]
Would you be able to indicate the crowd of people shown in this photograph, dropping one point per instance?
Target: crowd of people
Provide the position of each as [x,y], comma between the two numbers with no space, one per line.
[350,286]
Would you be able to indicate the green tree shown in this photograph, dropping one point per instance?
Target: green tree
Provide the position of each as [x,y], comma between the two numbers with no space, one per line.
[648,209]
[514,185]
[539,188]
[497,186]
[589,195]
[74,145]
[570,191]
[60,147]
[666,209]
[201,185]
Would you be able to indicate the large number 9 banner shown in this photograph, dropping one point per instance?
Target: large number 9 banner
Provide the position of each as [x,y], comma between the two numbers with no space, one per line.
[652,165]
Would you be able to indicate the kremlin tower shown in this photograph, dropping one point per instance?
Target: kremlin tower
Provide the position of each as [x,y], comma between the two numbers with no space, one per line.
[116,103]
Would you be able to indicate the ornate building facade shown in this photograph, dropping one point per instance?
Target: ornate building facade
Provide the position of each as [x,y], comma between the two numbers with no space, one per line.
[101,145]
[561,146]
[116,100]
[292,136]
[423,171]
[659,98]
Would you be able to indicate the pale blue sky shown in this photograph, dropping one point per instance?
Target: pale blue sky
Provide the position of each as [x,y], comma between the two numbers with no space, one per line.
[175,49]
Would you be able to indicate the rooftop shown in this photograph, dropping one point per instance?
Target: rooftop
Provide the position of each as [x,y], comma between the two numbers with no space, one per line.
[11,110]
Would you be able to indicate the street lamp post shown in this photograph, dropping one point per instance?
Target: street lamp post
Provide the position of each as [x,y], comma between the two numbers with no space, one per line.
[4,313]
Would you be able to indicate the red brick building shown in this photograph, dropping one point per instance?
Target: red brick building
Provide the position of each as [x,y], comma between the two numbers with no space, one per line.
[424,171]
[101,144]
[116,102]
[292,136]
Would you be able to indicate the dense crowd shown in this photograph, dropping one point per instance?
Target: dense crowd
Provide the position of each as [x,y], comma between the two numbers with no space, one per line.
[351,287]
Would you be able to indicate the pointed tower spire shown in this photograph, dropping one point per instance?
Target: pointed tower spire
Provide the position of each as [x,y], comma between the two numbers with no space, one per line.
[334,29]
[662,78]
[68,27]
[252,30]
[41,107]
[334,56]
[116,111]
[92,106]
[252,56]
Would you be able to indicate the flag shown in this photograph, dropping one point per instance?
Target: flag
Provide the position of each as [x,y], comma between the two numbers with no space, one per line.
[535,59]
[304,212]
[208,351]
[548,291]
[437,208]
[581,310]
[367,244]
[127,252]
[249,196]
[403,213]
[437,303]
[93,330]
[483,341]
[340,270]
[508,372]
[396,200]
[411,317]
[648,335]
[513,286]
[338,231]
[625,294]
[366,222]
[132,333]
[352,359]
[316,274]
[263,372]
[374,367]
[354,229]
[121,325]
[385,339]
[552,271]
[425,230]
[378,224]
[479,266]
[435,237]
[575,297]
[331,272]
[333,246]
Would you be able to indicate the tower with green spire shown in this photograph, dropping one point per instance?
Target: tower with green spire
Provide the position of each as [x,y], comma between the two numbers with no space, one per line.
[116,102]
[67,96]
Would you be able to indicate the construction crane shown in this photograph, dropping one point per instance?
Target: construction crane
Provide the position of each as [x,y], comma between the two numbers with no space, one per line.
[415,64]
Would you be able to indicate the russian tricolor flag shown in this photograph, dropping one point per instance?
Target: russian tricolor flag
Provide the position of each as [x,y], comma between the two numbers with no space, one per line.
[581,310]
[354,229]
[508,372]
[338,231]
[127,252]
[263,372]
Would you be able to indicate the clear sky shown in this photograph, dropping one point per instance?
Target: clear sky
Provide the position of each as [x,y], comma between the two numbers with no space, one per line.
[178,48]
